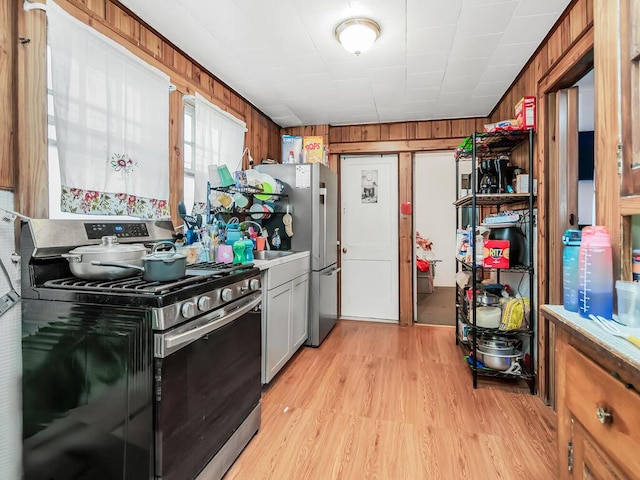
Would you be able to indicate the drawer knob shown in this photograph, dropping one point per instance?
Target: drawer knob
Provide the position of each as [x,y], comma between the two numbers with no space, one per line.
[603,415]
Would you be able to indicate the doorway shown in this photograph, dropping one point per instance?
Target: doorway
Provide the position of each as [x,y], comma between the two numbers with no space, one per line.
[434,247]
[369,237]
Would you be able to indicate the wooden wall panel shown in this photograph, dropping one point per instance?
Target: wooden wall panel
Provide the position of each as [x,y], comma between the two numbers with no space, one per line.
[176,159]
[32,192]
[405,238]
[607,125]
[8,45]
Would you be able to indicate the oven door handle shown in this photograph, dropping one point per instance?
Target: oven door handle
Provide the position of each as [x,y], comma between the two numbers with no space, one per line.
[168,343]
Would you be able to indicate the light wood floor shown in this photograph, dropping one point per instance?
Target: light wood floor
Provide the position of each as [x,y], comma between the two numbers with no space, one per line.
[384,402]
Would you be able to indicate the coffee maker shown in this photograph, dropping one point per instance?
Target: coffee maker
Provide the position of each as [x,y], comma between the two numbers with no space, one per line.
[495,175]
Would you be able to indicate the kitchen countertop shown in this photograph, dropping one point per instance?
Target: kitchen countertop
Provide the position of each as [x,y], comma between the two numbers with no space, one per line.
[265,264]
[619,348]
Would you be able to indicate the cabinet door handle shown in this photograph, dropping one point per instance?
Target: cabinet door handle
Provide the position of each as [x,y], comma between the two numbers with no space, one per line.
[603,415]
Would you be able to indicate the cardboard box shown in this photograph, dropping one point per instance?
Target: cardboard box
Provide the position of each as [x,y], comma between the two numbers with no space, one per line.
[525,112]
[496,253]
[292,149]
[522,184]
[313,149]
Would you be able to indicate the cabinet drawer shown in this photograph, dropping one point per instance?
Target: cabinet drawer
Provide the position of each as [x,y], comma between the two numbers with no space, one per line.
[590,387]
[285,272]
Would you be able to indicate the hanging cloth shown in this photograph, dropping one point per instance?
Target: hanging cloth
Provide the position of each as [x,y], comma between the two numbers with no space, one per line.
[111,114]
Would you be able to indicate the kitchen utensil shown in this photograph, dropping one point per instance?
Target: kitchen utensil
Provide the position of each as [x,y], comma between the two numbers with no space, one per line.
[628,303]
[81,259]
[498,362]
[240,200]
[162,266]
[488,317]
[610,327]
[287,221]
[497,343]
[488,299]
[269,185]
[214,176]
[225,176]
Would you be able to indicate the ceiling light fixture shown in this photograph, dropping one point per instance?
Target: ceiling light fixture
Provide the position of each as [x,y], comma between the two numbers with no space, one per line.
[357,35]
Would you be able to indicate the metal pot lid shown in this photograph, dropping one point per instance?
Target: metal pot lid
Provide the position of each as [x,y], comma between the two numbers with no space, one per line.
[110,245]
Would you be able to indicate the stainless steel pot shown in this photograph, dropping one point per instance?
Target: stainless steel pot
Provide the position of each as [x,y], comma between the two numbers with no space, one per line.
[497,345]
[162,266]
[498,362]
[82,260]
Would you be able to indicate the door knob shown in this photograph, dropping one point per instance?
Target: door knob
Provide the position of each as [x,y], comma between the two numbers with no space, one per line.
[344,250]
[572,219]
[603,415]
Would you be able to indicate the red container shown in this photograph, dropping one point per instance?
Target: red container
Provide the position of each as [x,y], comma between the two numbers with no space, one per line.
[496,253]
[525,112]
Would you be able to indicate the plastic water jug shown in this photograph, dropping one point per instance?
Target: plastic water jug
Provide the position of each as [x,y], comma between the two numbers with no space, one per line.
[595,273]
[570,257]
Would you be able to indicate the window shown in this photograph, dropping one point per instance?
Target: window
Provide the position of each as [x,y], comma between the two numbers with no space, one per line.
[189,153]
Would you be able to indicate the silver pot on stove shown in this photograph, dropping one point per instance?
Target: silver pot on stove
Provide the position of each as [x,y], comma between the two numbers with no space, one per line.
[84,261]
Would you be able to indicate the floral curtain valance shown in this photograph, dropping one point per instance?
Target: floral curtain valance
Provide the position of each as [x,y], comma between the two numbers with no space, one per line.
[112,123]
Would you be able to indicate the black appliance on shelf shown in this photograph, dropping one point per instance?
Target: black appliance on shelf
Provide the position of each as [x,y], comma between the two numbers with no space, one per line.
[130,379]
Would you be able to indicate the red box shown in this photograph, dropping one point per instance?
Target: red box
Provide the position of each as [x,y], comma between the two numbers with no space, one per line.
[525,112]
[496,253]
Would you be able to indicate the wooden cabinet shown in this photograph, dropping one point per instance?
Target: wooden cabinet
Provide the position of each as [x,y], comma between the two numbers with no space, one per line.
[630,82]
[598,407]
[285,314]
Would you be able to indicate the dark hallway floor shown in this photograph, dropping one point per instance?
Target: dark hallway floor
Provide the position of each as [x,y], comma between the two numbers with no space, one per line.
[437,308]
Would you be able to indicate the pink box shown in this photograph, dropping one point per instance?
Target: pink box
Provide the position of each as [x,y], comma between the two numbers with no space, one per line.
[496,253]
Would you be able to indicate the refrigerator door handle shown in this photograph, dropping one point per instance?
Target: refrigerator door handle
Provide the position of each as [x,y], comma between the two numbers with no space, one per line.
[323,203]
[334,271]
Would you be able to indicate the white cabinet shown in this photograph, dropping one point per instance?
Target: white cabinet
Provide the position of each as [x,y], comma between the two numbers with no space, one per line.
[285,314]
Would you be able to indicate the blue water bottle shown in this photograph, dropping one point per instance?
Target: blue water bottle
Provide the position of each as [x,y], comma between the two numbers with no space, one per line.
[570,261]
[248,249]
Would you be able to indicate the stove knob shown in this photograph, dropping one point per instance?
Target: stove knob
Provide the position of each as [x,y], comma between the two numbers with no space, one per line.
[227,295]
[188,309]
[204,304]
[254,284]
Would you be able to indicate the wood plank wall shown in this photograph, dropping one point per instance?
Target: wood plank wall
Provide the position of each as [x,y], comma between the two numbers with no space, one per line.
[8,45]
[561,59]
[116,22]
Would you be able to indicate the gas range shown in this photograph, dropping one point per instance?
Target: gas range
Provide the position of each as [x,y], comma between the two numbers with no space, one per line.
[205,287]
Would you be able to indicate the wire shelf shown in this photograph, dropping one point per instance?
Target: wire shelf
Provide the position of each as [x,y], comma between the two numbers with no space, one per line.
[490,145]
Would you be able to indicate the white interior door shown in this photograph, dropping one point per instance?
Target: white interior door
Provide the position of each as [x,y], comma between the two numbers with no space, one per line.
[434,213]
[369,237]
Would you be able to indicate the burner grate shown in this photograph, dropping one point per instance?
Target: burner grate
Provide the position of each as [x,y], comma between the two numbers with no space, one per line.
[126,285]
[217,268]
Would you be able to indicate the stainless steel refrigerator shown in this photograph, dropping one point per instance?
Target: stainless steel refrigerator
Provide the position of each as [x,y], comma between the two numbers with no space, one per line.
[313,197]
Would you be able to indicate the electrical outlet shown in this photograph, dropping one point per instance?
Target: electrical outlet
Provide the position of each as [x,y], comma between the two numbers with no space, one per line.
[7,301]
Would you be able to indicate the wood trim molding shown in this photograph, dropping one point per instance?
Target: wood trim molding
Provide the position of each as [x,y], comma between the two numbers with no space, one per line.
[405,238]
[176,161]
[571,59]
[630,205]
[397,146]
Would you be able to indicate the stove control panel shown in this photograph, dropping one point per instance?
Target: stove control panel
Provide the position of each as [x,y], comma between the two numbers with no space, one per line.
[254,284]
[96,231]
[204,303]
[226,295]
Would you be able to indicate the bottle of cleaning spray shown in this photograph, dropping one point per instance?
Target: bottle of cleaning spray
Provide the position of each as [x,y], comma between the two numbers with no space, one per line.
[275,240]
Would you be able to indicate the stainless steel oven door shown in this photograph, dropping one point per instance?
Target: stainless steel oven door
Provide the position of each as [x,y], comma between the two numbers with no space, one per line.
[207,382]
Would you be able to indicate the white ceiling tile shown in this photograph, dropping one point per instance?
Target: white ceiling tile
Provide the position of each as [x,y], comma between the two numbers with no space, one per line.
[462,68]
[283,57]
[512,53]
[434,62]
[430,40]
[487,88]
[485,19]
[529,29]
[432,13]
[425,80]
[540,7]
[465,48]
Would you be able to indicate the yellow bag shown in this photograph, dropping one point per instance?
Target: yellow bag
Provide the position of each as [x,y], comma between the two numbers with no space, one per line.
[515,314]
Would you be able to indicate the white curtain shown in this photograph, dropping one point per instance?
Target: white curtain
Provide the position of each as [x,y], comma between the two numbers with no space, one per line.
[112,123]
[219,141]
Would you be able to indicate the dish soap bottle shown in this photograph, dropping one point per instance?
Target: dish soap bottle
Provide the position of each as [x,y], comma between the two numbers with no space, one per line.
[238,251]
[275,240]
[248,249]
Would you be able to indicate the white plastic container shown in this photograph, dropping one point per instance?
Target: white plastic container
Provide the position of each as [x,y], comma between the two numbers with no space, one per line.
[628,303]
